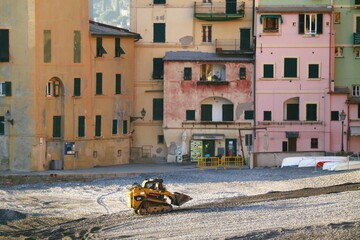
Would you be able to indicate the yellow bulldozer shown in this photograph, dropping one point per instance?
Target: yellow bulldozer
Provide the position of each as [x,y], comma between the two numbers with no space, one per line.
[152,197]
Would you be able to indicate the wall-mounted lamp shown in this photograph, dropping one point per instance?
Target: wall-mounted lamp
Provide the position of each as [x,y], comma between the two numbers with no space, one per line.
[143,113]
[8,117]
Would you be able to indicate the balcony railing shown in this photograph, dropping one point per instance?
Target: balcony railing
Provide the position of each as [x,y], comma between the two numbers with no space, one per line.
[233,46]
[215,82]
[219,11]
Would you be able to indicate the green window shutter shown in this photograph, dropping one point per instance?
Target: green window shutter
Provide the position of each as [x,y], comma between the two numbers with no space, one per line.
[118,84]
[357,24]
[313,70]
[249,115]
[158,109]
[242,73]
[56,126]
[358,110]
[98,83]
[81,126]
[77,87]
[290,67]
[47,46]
[98,126]
[267,116]
[99,47]
[187,73]
[334,115]
[159,1]
[311,112]
[268,71]
[115,126]
[4,45]
[125,127]
[118,49]
[2,125]
[8,89]
[77,47]
[301,23]
[245,38]
[228,112]
[158,68]
[319,22]
[190,115]
[159,32]
[292,112]
[206,112]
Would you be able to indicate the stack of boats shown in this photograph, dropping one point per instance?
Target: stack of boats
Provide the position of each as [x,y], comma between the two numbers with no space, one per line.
[330,163]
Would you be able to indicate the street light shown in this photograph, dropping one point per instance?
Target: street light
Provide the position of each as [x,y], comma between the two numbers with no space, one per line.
[143,113]
[342,118]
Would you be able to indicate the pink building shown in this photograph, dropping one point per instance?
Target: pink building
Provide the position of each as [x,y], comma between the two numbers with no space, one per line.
[293,82]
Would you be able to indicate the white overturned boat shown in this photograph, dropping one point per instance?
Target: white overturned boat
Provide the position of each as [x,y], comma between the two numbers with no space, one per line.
[311,161]
[339,166]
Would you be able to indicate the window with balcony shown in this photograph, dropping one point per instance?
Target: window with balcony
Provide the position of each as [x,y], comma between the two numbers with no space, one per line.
[310,23]
[4,45]
[213,72]
[356,90]
[206,33]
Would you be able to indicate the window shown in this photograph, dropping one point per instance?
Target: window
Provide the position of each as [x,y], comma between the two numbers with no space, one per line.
[310,23]
[53,88]
[47,46]
[4,45]
[206,112]
[292,111]
[190,115]
[267,116]
[5,89]
[207,33]
[271,23]
[242,73]
[313,71]
[314,144]
[334,115]
[248,140]
[337,17]
[249,114]
[311,112]
[97,125]
[114,127]
[118,84]
[339,51]
[159,33]
[357,53]
[187,73]
[81,126]
[228,112]
[268,71]
[99,47]
[125,127]
[213,72]
[77,87]
[161,139]
[159,1]
[56,126]
[98,83]
[356,90]
[2,125]
[290,68]
[118,49]
[158,109]
[158,68]
[77,47]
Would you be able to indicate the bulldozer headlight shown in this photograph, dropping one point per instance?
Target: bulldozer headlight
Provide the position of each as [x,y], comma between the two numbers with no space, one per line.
[139,198]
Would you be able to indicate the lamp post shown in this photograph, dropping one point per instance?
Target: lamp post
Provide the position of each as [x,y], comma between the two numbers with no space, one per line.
[143,113]
[342,118]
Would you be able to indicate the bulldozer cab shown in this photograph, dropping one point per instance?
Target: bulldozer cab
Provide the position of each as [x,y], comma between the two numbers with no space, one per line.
[155,184]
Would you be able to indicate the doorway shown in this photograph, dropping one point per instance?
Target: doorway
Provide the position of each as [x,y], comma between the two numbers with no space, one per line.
[208,148]
[230,147]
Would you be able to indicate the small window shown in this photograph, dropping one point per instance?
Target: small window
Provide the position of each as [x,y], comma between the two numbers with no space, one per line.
[47,46]
[98,126]
[270,23]
[125,127]
[4,45]
[356,90]
[118,84]
[159,1]
[2,125]
[268,71]
[158,68]
[339,51]
[314,144]
[161,139]
[187,73]
[115,126]
[100,50]
[290,67]
[77,46]
[249,115]
[267,116]
[53,88]
[57,126]
[5,89]
[190,115]
[99,83]
[242,73]
[206,33]
[334,115]
[337,17]
[77,87]
[159,33]
[118,49]
[311,112]
[158,109]
[81,126]
[314,72]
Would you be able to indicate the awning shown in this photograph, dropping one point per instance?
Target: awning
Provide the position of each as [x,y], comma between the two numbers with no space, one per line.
[271,16]
[204,136]
[354,130]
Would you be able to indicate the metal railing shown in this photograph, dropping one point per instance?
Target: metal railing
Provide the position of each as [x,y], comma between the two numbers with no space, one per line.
[215,9]
[232,46]
[225,162]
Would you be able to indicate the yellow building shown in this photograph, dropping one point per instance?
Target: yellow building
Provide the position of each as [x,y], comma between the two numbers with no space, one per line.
[223,27]
[66,96]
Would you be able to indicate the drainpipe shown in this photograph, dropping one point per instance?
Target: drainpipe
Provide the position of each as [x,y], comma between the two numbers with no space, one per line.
[254,83]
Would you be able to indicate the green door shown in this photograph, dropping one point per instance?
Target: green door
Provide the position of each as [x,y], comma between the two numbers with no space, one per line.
[244,39]
[208,148]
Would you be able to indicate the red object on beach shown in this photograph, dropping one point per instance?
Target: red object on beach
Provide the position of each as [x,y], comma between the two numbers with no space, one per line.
[320,164]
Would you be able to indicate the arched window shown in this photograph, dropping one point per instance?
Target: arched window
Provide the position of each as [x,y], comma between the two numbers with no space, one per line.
[53,88]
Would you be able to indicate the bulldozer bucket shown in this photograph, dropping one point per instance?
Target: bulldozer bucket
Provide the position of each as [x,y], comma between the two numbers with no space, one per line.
[180,198]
